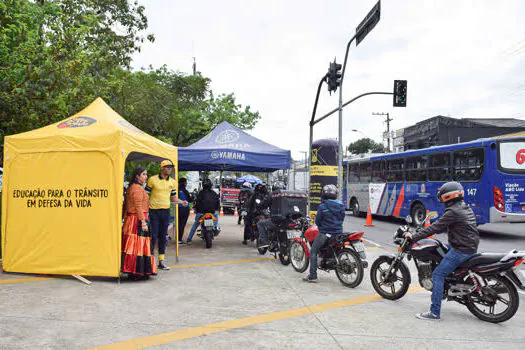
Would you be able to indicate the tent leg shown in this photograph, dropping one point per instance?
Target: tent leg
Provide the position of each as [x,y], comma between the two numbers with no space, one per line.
[82,279]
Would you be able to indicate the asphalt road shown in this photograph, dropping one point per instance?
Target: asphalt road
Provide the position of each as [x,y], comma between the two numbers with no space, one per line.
[493,237]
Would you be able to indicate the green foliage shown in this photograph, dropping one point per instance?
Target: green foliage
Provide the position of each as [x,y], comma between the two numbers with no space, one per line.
[57,56]
[365,145]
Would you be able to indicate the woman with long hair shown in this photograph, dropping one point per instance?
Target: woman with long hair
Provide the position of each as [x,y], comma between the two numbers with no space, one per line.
[137,260]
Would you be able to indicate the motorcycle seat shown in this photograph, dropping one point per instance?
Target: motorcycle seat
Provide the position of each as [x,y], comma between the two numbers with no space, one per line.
[482,259]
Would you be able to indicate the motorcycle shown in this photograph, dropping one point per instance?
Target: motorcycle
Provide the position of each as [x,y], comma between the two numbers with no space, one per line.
[343,252]
[281,239]
[208,231]
[481,283]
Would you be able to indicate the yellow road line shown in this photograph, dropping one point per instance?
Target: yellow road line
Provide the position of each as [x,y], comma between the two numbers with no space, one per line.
[218,263]
[187,333]
[28,279]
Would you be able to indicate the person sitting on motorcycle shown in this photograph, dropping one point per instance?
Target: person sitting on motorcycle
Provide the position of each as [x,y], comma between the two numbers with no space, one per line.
[253,208]
[272,223]
[244,195]
[207,202]
[329,219]
[463,236]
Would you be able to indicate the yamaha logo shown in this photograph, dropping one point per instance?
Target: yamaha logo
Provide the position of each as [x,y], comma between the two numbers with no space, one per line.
[227,136]
[215,154]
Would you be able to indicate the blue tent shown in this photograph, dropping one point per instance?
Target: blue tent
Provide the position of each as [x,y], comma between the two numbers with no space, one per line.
[229,148]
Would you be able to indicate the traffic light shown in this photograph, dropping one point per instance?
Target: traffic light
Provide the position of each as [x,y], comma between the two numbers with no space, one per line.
[334,76]
[400,93]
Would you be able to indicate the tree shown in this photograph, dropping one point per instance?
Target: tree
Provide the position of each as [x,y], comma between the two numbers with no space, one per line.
[365,145]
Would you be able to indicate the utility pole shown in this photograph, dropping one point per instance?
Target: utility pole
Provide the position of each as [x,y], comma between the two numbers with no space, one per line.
[387,120]
[194,66]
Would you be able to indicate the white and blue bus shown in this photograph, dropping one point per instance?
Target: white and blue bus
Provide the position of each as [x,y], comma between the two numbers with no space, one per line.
[492,171]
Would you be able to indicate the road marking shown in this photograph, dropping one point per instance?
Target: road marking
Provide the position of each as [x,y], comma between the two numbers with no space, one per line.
[372,242]
[29,279]
[519,291]
[218,263]
[187,333]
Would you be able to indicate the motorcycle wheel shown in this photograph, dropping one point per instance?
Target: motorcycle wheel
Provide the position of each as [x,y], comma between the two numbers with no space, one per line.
[284,255]
[379,279]
[350,270]
[207,238]
[483,305]
[298,257]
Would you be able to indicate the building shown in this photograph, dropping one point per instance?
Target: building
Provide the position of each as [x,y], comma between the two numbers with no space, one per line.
[399,141]
[442,130]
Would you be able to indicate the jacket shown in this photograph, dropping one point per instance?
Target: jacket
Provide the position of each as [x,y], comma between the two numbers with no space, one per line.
[207,202]
[244,195]
[254,208]
[330,216]
[460,221]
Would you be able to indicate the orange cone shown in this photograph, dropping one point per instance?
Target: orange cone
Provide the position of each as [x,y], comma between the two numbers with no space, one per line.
[369,217]
[235,213]
[222,212]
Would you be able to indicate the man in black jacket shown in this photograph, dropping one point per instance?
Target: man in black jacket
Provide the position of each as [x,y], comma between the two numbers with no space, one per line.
[244,195]
[257,204]
[463,237]
[207,202]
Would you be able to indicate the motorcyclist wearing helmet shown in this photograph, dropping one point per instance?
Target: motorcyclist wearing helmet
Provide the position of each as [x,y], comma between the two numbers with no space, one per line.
[329,219]
[244,195]
[265,201]
[207,202]
[273,223]
[463,236]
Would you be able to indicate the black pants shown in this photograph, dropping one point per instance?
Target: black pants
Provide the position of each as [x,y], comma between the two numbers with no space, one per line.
[184,213]
[247,227]
[160,220]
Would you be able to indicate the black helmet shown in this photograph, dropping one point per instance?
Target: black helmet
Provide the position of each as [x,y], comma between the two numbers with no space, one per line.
[450,192]
[206,184]
[277,187]
[261,188]
[329,192]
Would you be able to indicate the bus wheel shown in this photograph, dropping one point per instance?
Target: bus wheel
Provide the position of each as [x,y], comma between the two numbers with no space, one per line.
[354,206]
[418,214]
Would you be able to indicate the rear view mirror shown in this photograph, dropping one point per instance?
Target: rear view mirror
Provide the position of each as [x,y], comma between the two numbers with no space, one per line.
[408,219]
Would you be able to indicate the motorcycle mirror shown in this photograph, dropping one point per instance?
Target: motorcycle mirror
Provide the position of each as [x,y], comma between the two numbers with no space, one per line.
[408,219]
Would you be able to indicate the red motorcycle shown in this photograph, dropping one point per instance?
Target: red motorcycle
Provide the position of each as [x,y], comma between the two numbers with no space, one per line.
[343,252]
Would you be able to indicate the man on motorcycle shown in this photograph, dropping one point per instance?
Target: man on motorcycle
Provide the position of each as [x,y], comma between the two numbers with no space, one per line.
[207,202]
[272,223]
[460,222]
[265,201]
[244,195]
[329,219]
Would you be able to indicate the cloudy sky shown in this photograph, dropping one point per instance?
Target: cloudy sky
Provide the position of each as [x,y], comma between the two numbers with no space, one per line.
[461,58]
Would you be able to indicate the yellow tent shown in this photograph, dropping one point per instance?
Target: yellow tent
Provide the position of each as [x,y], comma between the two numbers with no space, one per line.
[63,191]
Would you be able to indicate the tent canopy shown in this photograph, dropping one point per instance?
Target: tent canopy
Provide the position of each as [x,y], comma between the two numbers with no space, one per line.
[63,188]
[227,147]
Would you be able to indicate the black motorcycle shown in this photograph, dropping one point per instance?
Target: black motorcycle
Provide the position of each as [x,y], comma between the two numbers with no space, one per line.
[485,284]
[259,215]
[280,239]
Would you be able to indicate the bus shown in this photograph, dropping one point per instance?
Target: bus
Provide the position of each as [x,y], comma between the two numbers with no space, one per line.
[492,171]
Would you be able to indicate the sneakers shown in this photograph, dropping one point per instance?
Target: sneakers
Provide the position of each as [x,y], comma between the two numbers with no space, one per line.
[428,316]
[162,266]
[310,279]
[182,242]
[189,243]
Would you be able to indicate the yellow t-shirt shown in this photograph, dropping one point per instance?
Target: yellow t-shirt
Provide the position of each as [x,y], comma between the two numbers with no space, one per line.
[160,192]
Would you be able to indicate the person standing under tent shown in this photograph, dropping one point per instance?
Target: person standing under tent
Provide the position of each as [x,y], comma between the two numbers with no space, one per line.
[184,211]
[161,188]
[137,259]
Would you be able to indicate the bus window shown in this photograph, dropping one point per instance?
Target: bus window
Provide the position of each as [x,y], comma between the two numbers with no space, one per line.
[365,172]
[468,164]
[416,169]
[394,169]
[512,157]
[377,171]
[439,167]
[354,173]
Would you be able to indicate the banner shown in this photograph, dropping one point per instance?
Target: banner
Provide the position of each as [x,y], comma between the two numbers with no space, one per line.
[323,170]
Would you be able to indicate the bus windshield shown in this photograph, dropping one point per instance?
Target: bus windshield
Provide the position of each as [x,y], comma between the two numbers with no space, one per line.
[512,157]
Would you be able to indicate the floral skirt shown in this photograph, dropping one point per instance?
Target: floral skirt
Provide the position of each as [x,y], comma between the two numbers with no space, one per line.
[136,248]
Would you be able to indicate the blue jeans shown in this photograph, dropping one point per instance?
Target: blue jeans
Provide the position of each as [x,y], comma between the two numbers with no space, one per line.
[449,263]
[318,243]
[160,220]
[263,227]
[197,223]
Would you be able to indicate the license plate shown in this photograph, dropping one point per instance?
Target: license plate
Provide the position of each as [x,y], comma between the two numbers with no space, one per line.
[359,246]
[292,234]
[520,276]
[208,222]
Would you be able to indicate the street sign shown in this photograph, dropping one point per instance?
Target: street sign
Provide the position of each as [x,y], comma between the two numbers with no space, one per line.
[368,23]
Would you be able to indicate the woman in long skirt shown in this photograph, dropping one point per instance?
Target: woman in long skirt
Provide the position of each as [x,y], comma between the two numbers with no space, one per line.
[136,238]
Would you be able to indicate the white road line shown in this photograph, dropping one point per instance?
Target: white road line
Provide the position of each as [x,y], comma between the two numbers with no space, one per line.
[372,242]
[519,291]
